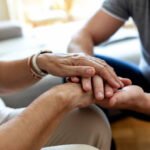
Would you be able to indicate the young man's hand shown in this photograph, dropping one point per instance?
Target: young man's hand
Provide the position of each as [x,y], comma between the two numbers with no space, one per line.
[98,86]
[130,97]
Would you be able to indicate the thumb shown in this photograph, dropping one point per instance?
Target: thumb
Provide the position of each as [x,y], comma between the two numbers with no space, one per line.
[119,100]
[125,81]
[81,71]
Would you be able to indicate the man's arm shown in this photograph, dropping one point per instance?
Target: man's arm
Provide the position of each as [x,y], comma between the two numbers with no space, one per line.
[32,129]
[99,28]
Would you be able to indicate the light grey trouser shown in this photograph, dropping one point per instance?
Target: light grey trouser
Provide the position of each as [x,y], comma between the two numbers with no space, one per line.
[81,126]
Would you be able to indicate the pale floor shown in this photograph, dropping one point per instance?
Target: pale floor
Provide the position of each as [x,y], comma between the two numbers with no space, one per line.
[131,134]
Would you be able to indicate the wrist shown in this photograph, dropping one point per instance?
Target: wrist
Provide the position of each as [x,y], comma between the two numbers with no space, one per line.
[142,104]
[146,108]
[67,93]
[64,98]
[41,62]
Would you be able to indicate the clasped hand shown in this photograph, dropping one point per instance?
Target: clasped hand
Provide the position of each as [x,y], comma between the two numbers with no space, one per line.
[78,65]
[92,72]
[95,76]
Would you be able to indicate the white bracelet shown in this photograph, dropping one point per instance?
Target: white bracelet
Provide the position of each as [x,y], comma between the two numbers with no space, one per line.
[36,67]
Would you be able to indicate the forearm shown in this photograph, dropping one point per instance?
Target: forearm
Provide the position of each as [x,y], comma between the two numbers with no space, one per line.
[81,42]
[15,75]
[146,105]
[98,29]
[140,104]
[34,126]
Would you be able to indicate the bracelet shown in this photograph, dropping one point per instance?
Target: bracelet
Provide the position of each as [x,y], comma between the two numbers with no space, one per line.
[33,72]
[34,68]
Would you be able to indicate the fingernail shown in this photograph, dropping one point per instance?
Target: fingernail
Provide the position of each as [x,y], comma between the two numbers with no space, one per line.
[109,94]
[122,85]
[100,96]
[117,85]
[87,88]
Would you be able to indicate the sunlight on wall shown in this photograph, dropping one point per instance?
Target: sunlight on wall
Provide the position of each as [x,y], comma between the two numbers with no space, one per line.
[3,10]
[85,8]
[40,12]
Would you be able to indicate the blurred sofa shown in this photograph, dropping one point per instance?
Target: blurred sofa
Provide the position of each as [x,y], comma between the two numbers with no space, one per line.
[9,30]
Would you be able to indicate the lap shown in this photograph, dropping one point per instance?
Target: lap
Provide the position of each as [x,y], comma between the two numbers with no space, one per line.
[81,126]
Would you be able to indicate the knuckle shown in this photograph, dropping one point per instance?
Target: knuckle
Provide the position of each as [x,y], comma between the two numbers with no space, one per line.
[103,70]
[77,71]
[103,67]
[112,69]
[103,61]
[97,90]
[78,58]
[97,79]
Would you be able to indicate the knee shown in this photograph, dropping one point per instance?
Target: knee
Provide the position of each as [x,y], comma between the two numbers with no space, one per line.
[84,126]
[93,127]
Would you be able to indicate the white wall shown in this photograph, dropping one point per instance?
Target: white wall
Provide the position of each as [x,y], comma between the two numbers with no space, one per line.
[3,10]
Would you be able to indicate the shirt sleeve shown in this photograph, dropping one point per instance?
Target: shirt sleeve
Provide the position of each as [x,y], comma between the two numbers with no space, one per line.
[117,9]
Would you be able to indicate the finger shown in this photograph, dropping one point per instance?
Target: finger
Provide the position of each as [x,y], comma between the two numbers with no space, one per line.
[100,68]
[110,70]
[75,79]
[105,74]
[86,84]
[104,71]
[109,91]
[107,103]
[68,79]
[98,87]
[126,81]
[115,76]
[81,71]
[118,100]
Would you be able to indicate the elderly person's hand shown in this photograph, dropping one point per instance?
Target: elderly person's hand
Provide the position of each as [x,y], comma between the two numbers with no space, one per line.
[77,65]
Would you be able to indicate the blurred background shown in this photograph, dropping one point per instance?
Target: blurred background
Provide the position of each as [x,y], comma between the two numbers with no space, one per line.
[47,12]
[45,23]
[42,23]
